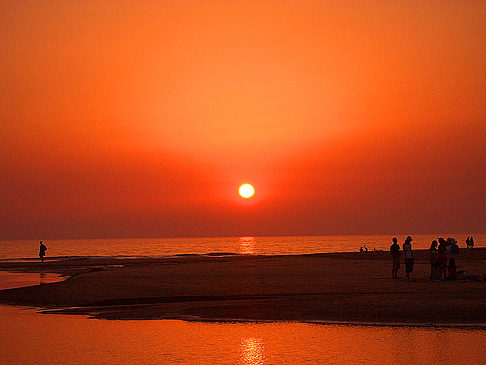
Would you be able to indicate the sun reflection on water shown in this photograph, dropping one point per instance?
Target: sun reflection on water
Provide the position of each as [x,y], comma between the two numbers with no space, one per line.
[247,245]
[252,351]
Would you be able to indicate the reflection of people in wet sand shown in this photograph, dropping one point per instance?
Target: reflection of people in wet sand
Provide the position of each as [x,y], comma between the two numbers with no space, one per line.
[42,251]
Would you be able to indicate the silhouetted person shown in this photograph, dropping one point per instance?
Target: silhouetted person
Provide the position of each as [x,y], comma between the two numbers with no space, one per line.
[442,256]
[395,253]
[408,256]
[452,246]
[452,268]
[433,257]
[42,251]
[471,242]
[467,242]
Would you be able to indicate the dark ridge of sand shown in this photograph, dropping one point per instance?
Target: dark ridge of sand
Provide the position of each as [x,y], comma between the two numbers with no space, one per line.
[337,287]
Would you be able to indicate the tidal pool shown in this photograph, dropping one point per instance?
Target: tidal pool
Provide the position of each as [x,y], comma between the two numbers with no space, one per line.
[28,337]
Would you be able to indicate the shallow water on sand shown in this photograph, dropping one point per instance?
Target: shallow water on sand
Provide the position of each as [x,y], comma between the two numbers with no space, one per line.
[156,247]
[9,280]
[28,337]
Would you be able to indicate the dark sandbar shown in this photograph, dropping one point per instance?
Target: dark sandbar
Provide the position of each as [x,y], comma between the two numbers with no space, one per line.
[340,287]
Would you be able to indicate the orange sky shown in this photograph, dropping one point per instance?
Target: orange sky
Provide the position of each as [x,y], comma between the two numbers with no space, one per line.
[142,118]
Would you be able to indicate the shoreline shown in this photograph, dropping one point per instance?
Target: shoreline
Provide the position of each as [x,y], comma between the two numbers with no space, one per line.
[472,326]
[329,288]
[463,326]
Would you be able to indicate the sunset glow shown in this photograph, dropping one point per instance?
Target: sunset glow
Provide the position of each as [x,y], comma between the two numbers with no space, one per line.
[117,117]
[220,182]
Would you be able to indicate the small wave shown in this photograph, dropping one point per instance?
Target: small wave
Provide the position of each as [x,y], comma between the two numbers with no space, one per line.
[221,254]
[68,257]
[110,257]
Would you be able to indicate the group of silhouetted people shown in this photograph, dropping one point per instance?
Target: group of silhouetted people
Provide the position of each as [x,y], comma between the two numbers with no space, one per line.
[442,267]
[408,256]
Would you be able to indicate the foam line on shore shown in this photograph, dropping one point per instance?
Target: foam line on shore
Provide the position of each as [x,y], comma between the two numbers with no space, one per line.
[471,326]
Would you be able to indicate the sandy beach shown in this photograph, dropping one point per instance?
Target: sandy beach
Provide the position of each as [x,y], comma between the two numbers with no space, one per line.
[342,287]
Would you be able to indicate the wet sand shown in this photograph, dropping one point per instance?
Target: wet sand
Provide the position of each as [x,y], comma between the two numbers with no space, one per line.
[341,287]
[10,280]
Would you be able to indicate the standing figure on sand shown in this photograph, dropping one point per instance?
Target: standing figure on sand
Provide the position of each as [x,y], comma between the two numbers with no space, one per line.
[395,253]
[442,256]
[408,256]
[42,251]
[435,270]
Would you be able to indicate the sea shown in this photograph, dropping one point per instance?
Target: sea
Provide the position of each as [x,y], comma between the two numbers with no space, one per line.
[163,247]
[30,337]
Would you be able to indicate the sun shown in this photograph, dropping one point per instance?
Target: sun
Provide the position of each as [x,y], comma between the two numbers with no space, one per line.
[246,191]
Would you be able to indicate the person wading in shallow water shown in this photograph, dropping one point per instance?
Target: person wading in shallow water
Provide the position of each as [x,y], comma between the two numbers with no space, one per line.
[408,255]
[42,251]
[395,253]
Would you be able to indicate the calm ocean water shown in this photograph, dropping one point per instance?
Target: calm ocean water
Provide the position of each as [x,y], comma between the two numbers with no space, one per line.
[157,247]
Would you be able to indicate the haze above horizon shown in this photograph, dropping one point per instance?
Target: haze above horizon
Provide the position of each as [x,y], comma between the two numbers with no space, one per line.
[143,118]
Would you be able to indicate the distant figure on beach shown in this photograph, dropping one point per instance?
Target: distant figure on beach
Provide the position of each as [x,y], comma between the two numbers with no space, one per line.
[408,256]
[442,256]
[42,251]
[363,248]
[395,253]
[452,268]
[435,273]
[470,242]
